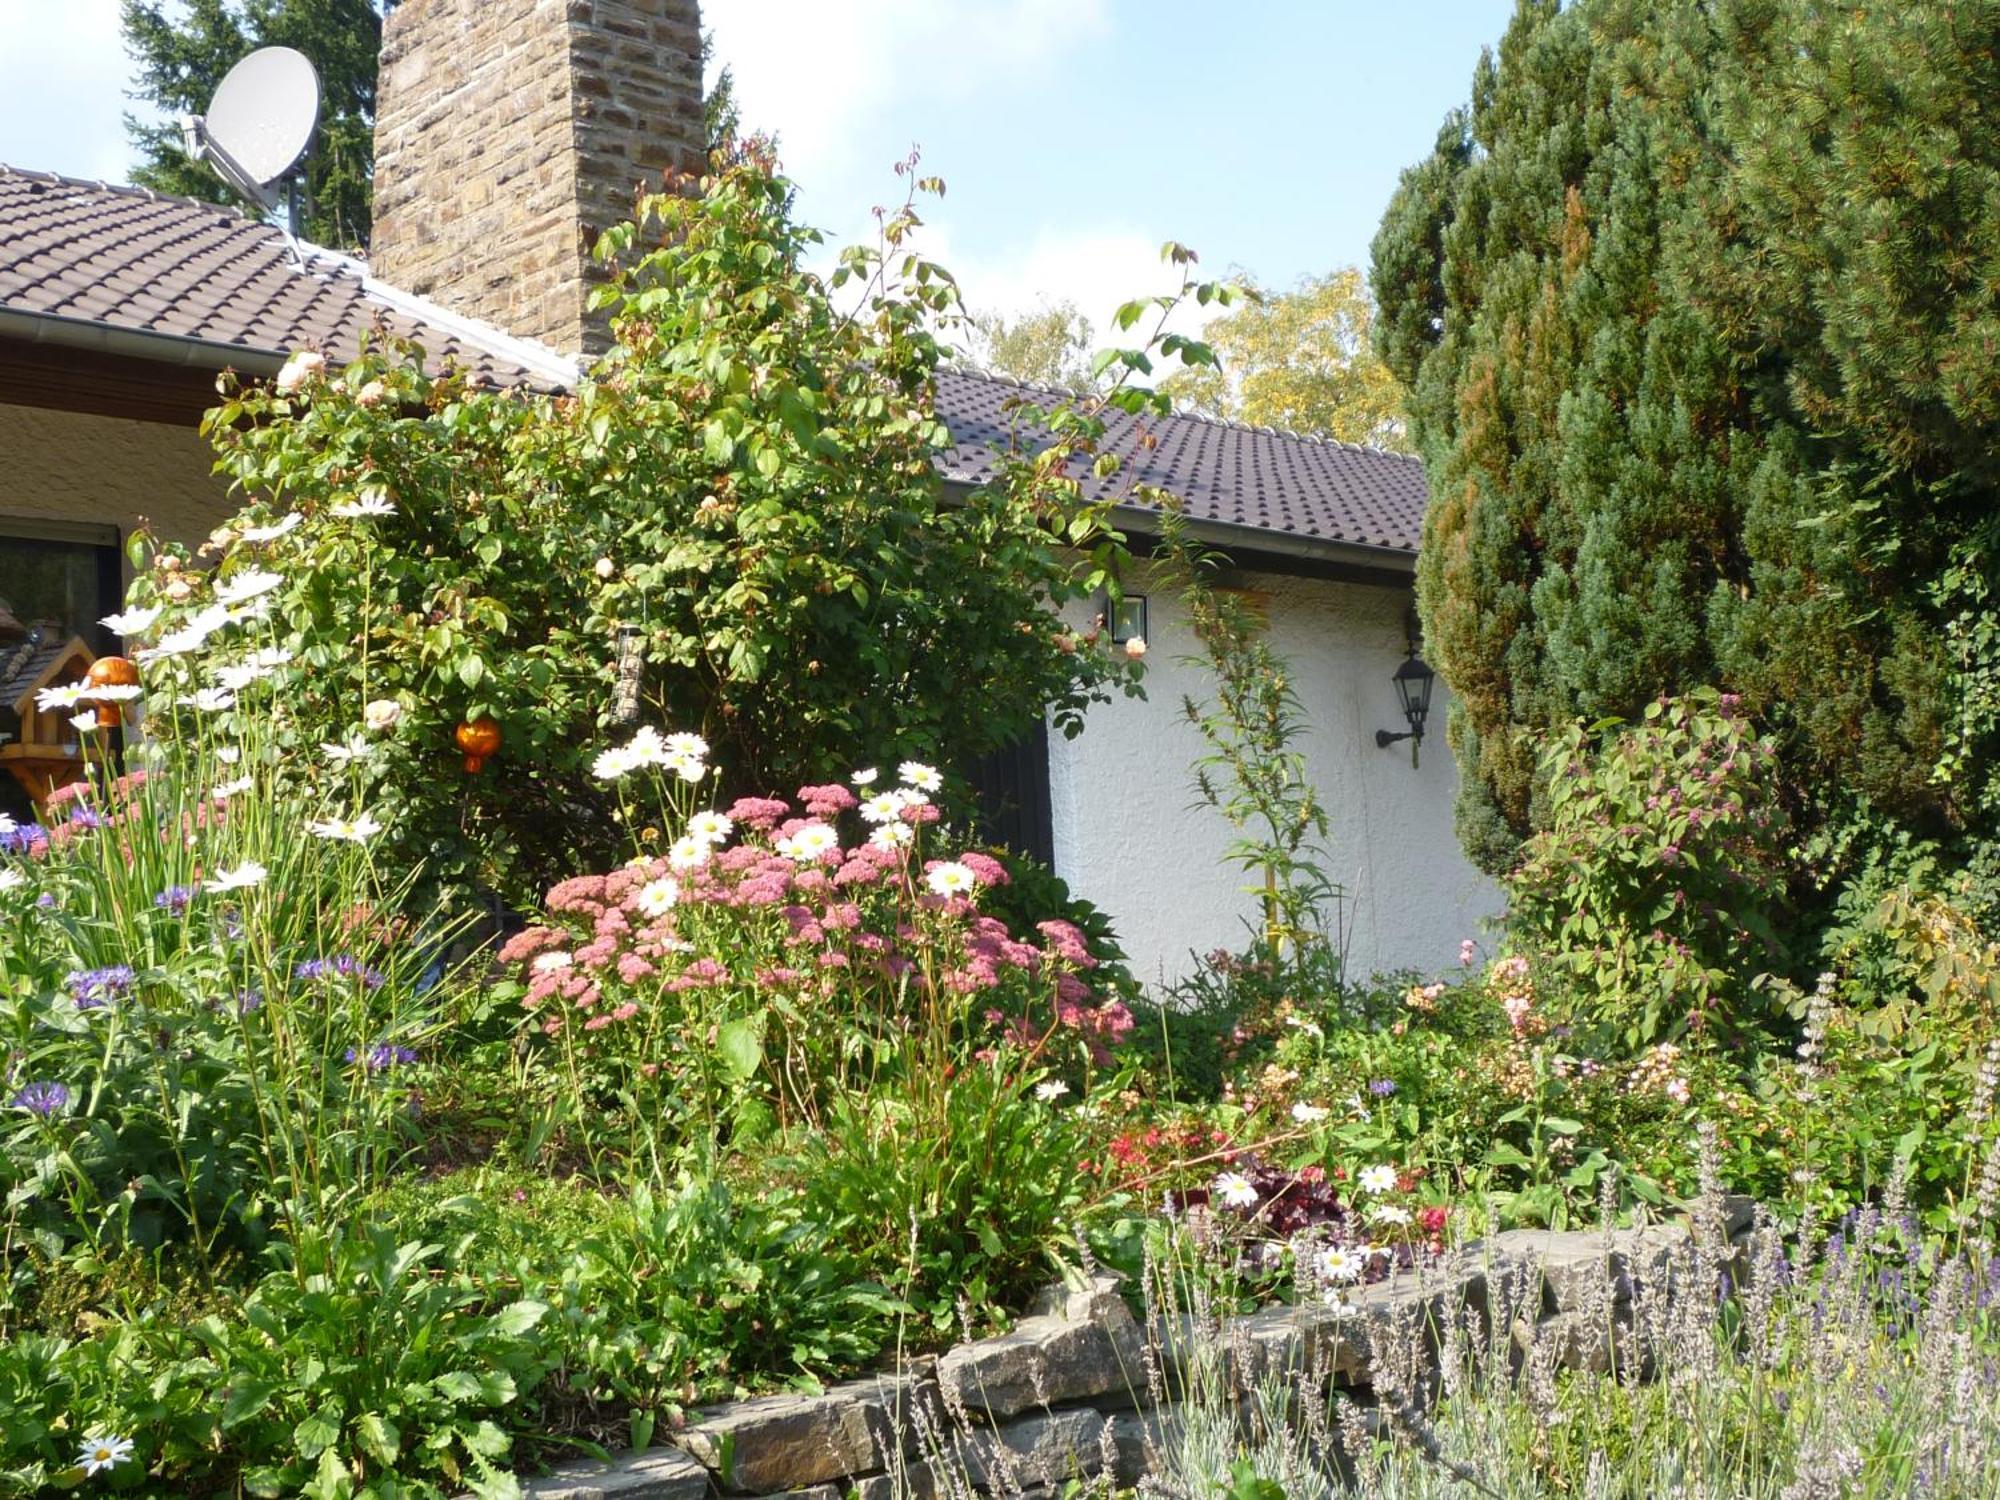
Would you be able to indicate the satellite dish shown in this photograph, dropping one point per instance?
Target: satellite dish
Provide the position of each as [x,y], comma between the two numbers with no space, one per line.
[259,123]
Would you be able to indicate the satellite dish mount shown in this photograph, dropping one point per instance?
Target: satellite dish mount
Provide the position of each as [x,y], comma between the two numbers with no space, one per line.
[258,126]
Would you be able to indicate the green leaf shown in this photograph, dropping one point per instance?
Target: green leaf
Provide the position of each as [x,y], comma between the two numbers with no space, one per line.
[740,1046]
[317,1432]
[471,670]
[379,1438]
[246,1398]
[517,1318]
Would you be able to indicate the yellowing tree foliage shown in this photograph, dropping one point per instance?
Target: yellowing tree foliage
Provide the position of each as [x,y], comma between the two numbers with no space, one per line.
[1303,359]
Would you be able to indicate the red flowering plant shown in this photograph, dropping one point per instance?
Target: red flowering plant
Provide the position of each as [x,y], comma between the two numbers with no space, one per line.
[785,953]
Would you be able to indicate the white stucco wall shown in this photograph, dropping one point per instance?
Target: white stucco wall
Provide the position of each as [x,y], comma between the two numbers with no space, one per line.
[1130,837]
[72,466]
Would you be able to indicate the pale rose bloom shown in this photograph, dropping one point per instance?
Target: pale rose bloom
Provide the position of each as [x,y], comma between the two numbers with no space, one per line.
[382,715]
[371,394]
[178,590]
[605,568]
[300,368]
[1135,646]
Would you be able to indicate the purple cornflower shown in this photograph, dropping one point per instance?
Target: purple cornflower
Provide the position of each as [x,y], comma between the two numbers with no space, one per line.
[45,1099]
[174,899]
[1382,1088]
[249,1000]
[22,838]
[340,966]
[86,817]
[95,987]
[383,1056]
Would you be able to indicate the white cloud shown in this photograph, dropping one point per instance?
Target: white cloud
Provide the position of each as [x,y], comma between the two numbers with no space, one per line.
[816,73]
[63,73]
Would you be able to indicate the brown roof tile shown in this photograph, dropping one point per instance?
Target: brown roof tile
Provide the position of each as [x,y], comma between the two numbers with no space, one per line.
[133,259]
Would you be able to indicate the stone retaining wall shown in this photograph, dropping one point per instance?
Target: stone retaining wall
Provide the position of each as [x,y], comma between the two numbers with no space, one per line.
[1081,1388]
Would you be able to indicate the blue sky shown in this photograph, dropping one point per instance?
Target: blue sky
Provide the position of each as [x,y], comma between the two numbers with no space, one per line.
[1074,135]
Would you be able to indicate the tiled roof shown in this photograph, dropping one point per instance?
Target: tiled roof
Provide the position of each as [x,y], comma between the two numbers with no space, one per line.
[1312,489]
[150,263]
[143,262]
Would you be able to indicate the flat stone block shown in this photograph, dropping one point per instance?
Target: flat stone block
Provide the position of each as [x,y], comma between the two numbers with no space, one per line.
[656,1474]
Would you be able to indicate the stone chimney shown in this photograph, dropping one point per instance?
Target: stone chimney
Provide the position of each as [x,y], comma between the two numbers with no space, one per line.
[509,133]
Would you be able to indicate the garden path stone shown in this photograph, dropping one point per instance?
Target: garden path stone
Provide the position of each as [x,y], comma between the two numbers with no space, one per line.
[657,1474]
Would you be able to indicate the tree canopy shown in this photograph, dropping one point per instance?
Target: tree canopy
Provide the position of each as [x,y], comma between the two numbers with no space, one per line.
[180,55]
[1050,346]
[1303,359]
[1695,304]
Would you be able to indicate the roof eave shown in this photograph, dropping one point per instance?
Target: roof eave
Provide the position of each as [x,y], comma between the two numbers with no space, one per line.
[135,343]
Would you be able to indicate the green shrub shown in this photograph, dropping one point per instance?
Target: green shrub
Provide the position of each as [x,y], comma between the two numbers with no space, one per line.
[744,483]
[1654,884]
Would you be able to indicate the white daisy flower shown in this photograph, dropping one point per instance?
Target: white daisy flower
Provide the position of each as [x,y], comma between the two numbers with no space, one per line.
[228,755]
[865,778]
[1379,1178]
[810,842]
[657,897]
[174,643]
[272,532]
[103,1453]
[132,621]
[272,657]
[1050,1091]
[689,853]
[686,767]
[1310,1114]
[893,836]
[247,586]
[118,692]
[950,878]
[1342,1265]
[234,788]
[353,831]
[691,746]
[373,501]
[1234,1190]
[85,723]
[7,824]
[883,807]
[924,778]
[1388,1213]
[241,878]
[356,748]
[12,880]
[238,677]
[648,747]
[66,696]
[209,700]
[710,827]
[613,765]
[551,963]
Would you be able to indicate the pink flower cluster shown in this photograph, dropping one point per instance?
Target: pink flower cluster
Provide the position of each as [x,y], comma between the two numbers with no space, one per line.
[816,925]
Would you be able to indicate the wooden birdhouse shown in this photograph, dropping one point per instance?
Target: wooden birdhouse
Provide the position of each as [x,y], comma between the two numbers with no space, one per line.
[40,748]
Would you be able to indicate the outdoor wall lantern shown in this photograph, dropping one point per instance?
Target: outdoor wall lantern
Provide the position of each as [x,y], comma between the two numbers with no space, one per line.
[1413,686]
[1128,619]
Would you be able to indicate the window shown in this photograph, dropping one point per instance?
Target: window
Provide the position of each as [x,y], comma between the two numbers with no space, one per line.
[57,580]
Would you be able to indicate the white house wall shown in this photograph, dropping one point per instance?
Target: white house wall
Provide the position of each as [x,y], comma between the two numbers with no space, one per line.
[1131,838]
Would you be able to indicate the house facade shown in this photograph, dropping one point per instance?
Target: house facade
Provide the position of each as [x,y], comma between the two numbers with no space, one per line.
[509,133]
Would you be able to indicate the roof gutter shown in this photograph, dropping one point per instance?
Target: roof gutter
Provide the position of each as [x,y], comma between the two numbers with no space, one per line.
[135,343]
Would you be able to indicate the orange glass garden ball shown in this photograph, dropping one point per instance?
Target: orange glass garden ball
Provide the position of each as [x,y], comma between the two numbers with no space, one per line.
[110,671]
[479,740]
